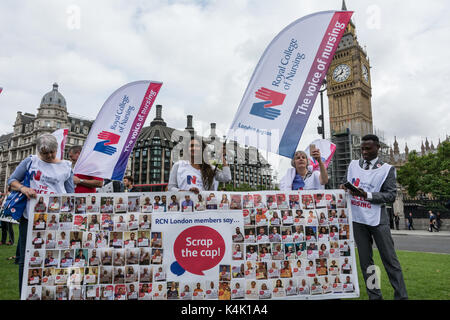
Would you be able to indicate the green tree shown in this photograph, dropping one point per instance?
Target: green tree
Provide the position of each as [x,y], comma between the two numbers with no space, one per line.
[427,174]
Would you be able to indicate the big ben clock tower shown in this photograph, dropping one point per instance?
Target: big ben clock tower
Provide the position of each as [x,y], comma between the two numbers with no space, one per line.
[349,91]
[349,98]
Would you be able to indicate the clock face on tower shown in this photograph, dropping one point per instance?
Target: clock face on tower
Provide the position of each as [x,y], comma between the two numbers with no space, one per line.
[341,73]
[365,73]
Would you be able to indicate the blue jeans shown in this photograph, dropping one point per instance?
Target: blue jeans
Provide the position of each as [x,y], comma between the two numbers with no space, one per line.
[22,244]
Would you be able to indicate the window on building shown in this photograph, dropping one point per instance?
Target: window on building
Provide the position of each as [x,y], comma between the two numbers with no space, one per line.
[156,163]
[156,151]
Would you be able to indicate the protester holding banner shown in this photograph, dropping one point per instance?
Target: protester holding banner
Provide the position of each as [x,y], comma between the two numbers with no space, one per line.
[375,185]
[47,173]
[300,177]
[84,183]
[187,175]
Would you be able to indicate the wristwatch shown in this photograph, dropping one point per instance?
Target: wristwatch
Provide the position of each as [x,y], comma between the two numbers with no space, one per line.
[81,181]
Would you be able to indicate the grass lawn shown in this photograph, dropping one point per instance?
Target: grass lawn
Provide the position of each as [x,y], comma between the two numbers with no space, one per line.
[427,275]
[9,272]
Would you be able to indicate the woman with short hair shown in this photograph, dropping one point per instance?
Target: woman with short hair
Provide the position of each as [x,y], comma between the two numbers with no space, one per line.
[46,171]
[301,177]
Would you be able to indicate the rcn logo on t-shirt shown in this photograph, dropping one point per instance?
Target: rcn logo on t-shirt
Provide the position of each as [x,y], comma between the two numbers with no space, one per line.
[104,146]
[355,182]
[264,109]
[36,175]
[191,179]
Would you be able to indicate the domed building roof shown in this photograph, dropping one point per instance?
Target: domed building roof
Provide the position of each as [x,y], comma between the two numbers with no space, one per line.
[54,97]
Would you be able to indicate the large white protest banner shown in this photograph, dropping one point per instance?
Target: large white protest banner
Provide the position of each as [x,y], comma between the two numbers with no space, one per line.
[281,93]
[115,130]
[178,245]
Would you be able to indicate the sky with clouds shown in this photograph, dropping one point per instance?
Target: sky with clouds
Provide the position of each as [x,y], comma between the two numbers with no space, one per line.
[205,53]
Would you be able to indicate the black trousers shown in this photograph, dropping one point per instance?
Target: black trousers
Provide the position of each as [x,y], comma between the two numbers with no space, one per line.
[7,229]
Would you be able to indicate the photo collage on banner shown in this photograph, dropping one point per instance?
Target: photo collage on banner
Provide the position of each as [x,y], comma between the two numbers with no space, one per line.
[103,246]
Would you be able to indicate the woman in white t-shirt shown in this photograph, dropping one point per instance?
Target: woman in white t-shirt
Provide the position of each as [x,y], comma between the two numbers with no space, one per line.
[300,177]
[188,175]
[47,173]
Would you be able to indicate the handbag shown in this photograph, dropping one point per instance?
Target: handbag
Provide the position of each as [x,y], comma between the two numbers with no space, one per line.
[16,202]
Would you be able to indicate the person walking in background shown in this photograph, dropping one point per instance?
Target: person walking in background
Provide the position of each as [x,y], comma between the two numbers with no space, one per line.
[397,221]
[432,222]
[410,221]
[7,227]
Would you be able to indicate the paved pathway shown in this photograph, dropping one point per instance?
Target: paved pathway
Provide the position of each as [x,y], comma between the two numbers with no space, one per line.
[422,241]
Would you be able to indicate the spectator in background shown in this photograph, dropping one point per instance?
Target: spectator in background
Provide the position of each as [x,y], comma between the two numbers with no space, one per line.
[410,221]
[128,182]
[83,183]
[7,227]
[55,175]
[433,222]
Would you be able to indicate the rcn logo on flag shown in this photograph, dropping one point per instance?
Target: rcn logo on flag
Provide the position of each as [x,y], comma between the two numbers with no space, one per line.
[105,145]
[270,99]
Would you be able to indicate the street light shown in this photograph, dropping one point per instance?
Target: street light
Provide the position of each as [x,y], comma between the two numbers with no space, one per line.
[321,129]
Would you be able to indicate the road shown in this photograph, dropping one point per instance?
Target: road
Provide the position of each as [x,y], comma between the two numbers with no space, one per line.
[422,243]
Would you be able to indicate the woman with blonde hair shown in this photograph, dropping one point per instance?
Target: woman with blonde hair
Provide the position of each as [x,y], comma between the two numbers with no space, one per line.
[301,177]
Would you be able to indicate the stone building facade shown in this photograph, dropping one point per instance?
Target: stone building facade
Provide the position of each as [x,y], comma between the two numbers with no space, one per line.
[52,114]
